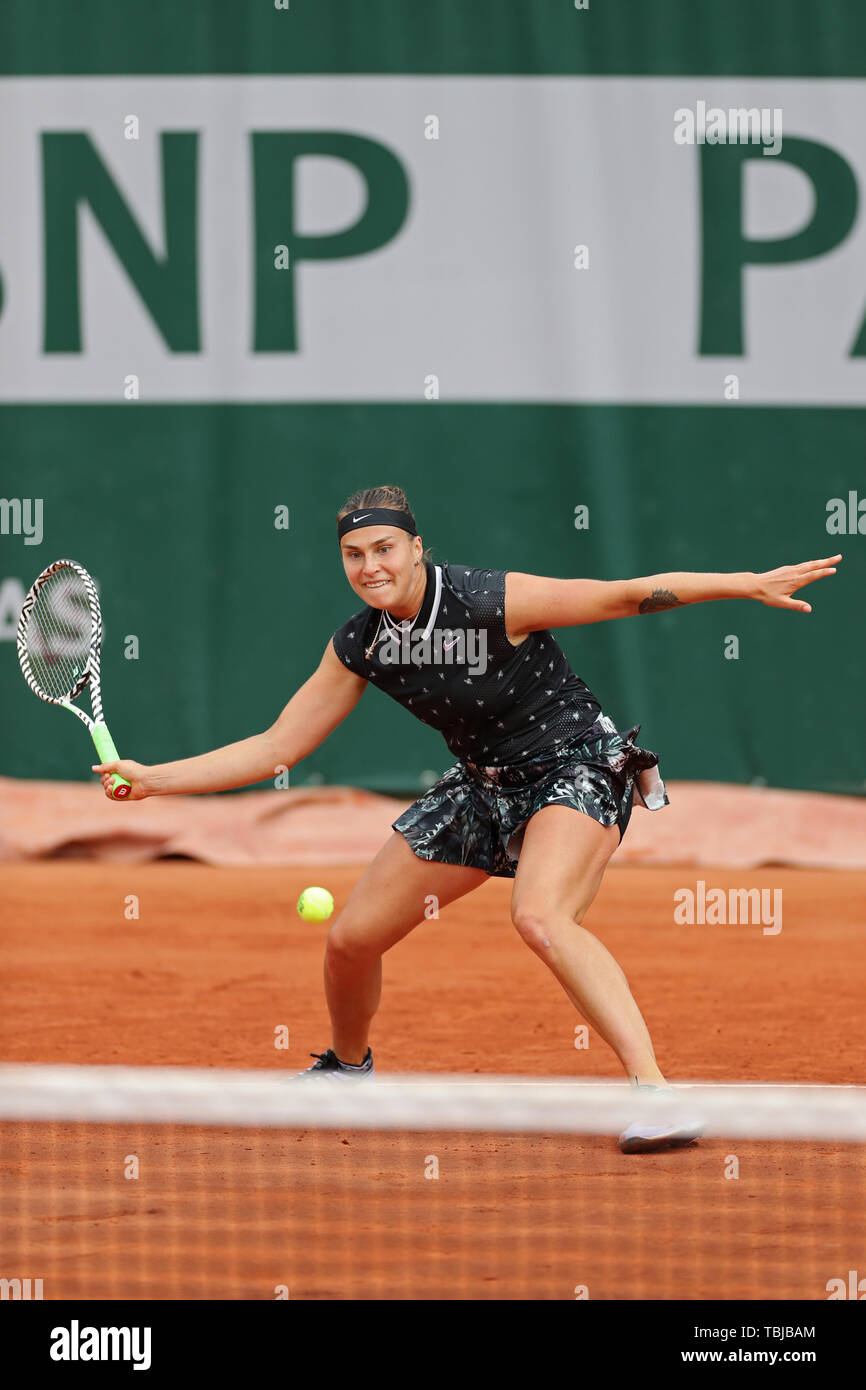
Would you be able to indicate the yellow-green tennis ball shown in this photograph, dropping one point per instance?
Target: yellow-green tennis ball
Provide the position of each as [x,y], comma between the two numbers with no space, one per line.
[315,904]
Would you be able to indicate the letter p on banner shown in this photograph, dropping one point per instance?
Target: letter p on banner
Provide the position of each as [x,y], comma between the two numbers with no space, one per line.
[726,249]
[275,159]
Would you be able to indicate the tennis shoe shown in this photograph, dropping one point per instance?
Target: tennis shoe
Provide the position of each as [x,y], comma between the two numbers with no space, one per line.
[328,1067]
[667,1123]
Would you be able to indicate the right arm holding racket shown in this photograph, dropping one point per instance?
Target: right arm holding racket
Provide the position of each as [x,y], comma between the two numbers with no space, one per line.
[313,712]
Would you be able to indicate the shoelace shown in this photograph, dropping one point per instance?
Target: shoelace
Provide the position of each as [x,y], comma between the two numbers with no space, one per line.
[321,1062]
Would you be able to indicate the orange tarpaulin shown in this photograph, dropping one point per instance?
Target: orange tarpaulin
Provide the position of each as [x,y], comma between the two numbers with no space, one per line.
[706,823]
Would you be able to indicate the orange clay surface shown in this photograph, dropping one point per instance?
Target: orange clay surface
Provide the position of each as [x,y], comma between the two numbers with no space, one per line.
[217,960]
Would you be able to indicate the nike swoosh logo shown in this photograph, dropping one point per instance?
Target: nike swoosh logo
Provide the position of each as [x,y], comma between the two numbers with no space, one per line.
[448,645]
[361,518]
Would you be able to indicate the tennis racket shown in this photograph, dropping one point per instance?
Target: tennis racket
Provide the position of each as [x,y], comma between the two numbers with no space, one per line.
[59,642]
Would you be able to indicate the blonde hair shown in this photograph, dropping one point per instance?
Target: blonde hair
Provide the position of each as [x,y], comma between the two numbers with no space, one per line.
[386,496]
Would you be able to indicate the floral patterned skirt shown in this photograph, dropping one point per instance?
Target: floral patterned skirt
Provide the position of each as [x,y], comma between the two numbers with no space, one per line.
[476,816]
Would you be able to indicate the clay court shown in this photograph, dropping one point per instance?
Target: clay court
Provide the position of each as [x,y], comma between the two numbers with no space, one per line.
[217,960]
[472,356]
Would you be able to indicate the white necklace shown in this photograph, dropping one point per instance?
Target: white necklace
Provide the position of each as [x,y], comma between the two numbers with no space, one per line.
[393,629]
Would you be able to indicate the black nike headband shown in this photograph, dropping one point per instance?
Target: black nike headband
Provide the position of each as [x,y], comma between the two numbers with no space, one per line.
[376,516]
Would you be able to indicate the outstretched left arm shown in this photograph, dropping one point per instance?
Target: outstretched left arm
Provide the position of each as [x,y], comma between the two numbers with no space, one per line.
[533,602]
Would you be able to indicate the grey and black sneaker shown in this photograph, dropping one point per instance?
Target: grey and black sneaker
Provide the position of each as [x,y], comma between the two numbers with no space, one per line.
[329,1067]
[668,1123]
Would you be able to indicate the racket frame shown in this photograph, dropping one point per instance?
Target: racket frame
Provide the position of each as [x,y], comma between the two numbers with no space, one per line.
[97,727]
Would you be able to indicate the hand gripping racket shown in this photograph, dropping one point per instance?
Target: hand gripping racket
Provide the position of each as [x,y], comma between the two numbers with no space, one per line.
[59,641]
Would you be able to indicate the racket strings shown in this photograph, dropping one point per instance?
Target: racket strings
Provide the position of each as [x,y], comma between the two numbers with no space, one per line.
[59,633]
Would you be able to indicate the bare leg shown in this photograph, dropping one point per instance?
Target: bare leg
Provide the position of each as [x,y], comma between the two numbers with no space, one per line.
[383,907]
[561,866]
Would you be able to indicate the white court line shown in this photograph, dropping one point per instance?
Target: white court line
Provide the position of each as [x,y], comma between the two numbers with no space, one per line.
[480,1077]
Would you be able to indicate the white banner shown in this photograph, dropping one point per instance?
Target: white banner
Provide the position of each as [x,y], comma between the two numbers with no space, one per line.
[482,293]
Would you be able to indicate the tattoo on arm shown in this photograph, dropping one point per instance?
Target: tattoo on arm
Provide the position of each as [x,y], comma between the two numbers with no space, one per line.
[658,601]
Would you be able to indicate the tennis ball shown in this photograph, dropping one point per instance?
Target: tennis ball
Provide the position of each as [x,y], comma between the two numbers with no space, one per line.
[315,905]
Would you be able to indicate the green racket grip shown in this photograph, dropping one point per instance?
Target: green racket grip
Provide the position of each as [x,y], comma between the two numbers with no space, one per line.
[120,788]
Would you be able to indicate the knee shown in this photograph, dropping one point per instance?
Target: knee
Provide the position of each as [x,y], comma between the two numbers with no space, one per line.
[348,943]
[533,927]
[539,925]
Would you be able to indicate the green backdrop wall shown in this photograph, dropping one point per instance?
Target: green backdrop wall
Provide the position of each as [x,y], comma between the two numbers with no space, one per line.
[174,513]
[171,505]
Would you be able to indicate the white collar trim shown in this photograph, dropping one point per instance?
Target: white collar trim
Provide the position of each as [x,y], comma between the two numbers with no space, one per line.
[406,623]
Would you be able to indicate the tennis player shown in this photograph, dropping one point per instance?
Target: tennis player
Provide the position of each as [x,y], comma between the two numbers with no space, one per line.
[543,786]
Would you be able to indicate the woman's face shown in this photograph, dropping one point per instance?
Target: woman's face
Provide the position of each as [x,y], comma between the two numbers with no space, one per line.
[380,564]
